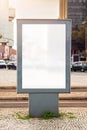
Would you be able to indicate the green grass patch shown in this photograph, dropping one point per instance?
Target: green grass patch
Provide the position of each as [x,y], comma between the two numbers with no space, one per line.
[48,115]
[62,114]
[23,117]
[69,115]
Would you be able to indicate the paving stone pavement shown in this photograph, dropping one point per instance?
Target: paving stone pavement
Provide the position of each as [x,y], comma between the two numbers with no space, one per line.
[9,121]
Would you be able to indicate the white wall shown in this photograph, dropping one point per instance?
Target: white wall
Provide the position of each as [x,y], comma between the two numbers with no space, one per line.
[36,8]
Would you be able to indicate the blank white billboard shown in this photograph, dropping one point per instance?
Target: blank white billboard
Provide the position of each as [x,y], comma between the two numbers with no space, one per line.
[44,55]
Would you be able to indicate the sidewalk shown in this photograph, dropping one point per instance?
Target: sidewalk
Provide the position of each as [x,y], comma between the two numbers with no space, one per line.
[9,121]
[78,79]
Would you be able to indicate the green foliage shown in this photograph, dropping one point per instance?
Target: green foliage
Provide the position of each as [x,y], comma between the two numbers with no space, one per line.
[62,114]
[69,115]
[23,117]
[48,115]
[79,34]
[84,53]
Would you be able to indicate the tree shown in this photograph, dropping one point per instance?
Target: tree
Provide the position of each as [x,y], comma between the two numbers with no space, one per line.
[78,35]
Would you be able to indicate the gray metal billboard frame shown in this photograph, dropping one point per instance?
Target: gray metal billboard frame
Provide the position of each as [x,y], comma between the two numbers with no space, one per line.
[20,22]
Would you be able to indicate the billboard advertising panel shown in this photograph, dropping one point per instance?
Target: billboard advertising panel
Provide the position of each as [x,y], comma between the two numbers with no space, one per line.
[44,55]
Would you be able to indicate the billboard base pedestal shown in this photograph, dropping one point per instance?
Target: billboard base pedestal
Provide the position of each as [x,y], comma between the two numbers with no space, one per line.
[40,103]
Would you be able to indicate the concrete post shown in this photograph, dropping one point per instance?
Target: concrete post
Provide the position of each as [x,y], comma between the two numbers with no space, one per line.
[40,103]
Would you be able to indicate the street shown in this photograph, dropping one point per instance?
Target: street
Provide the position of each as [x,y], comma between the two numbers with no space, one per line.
[9,78]
[79,79]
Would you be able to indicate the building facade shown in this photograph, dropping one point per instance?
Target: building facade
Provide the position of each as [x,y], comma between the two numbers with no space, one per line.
[77,11]
[6,29]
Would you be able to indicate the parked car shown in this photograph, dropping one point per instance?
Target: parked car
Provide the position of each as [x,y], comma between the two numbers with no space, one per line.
[2,64]
[12,65]
[79,66]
